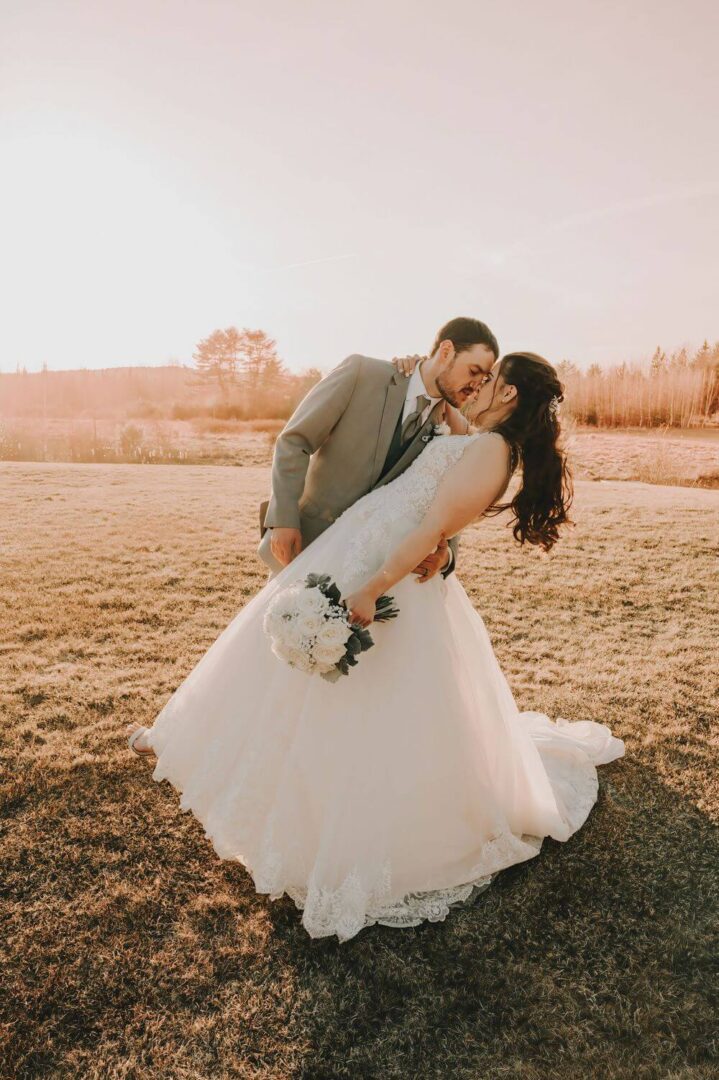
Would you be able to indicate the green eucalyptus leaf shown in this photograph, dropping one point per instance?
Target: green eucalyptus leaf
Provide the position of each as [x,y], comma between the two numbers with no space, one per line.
[354,644]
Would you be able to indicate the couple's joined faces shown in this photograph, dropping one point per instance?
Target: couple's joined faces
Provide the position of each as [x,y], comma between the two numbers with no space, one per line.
[464,373]
[489,393]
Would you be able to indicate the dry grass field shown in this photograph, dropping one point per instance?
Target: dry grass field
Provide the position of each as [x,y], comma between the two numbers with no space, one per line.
[658,456]
[131,951]
[670,456]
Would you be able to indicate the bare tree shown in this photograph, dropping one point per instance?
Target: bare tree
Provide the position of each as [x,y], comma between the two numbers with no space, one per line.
[217,357]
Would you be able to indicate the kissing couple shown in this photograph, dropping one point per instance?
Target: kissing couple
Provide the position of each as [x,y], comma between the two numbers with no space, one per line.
[398,792]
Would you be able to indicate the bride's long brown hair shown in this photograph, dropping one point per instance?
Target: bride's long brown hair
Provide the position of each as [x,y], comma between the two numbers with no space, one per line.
[533,432]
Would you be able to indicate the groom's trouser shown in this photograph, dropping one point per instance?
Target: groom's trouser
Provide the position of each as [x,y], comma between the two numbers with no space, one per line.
[265,552]
[311,530]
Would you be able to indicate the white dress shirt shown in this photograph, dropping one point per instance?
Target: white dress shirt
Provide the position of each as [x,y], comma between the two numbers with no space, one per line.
[415,387]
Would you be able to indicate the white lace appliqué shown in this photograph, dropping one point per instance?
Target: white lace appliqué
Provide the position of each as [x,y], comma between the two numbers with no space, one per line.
[405,499]
[353,906]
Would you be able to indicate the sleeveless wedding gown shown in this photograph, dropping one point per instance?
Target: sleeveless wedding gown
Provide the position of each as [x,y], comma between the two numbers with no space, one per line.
[399,790]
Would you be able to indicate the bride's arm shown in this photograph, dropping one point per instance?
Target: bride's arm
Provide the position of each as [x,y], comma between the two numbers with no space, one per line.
[458,424]
[468,488]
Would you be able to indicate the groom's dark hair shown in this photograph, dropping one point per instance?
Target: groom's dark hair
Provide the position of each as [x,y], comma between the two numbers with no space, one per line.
[464,333]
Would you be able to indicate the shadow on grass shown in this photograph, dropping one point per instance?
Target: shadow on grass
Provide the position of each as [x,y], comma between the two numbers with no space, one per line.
[135,952]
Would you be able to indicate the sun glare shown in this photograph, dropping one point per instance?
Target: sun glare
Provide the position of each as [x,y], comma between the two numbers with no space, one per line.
[91,219]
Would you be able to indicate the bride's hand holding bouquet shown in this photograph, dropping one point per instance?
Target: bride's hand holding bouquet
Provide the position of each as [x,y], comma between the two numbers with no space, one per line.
[362,605]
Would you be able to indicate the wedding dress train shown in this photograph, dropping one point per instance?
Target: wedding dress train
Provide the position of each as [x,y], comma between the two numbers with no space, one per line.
[402,788]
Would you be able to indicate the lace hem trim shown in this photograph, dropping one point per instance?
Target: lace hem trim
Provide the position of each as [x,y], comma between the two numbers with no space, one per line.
[354,906]
[357,904]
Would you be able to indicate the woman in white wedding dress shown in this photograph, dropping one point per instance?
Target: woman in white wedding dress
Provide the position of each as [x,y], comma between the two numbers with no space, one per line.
[403,788]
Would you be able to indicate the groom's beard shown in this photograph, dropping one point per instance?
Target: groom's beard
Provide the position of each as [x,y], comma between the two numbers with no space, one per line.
[458,397]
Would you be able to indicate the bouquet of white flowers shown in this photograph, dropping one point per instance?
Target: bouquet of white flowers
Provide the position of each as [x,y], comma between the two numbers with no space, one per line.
[309,629]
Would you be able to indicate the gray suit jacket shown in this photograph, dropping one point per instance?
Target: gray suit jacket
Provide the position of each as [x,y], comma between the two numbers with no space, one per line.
[332,449]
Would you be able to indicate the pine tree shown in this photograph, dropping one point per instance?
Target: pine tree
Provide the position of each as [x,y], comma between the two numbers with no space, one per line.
[679,359]
[702,357]
[659,361]
[565,369]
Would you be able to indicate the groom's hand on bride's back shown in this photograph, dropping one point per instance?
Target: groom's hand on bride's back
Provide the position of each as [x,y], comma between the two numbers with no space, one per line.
[286,544]
[434,563]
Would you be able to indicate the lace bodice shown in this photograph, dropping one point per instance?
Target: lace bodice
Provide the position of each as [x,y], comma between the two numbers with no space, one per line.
[413,491]
[403,502]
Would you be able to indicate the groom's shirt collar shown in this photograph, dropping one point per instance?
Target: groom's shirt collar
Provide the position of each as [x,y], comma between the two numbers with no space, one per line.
[415,387]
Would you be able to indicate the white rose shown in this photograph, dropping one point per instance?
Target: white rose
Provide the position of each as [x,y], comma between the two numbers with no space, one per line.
[287,640]
[328,654]
[310,623]
[283,605]
[316,601]
[273,624]
[323,668]
[299,659]
[334,632]
[281,650]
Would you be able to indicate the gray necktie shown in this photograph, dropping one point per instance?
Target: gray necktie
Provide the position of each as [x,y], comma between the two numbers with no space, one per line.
[414,421]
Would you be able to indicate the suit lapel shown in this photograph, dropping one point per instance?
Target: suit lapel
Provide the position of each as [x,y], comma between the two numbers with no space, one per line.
[416,447]
[393,405]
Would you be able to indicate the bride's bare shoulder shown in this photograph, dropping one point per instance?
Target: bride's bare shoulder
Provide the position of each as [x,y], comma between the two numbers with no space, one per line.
[490,452]
[485,453]
[490,444]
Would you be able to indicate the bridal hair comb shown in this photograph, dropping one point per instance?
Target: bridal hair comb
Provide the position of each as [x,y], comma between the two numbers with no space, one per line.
[553,406]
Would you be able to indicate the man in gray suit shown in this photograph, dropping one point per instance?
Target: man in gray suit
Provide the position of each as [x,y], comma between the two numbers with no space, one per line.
[360,427]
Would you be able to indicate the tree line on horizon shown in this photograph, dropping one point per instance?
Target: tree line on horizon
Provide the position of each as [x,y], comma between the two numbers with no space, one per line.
[239,375]
[677,390]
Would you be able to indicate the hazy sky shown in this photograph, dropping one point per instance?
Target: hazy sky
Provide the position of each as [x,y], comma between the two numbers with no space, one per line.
[348,176]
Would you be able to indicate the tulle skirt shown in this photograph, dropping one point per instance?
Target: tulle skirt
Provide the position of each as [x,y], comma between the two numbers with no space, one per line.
[390,795]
